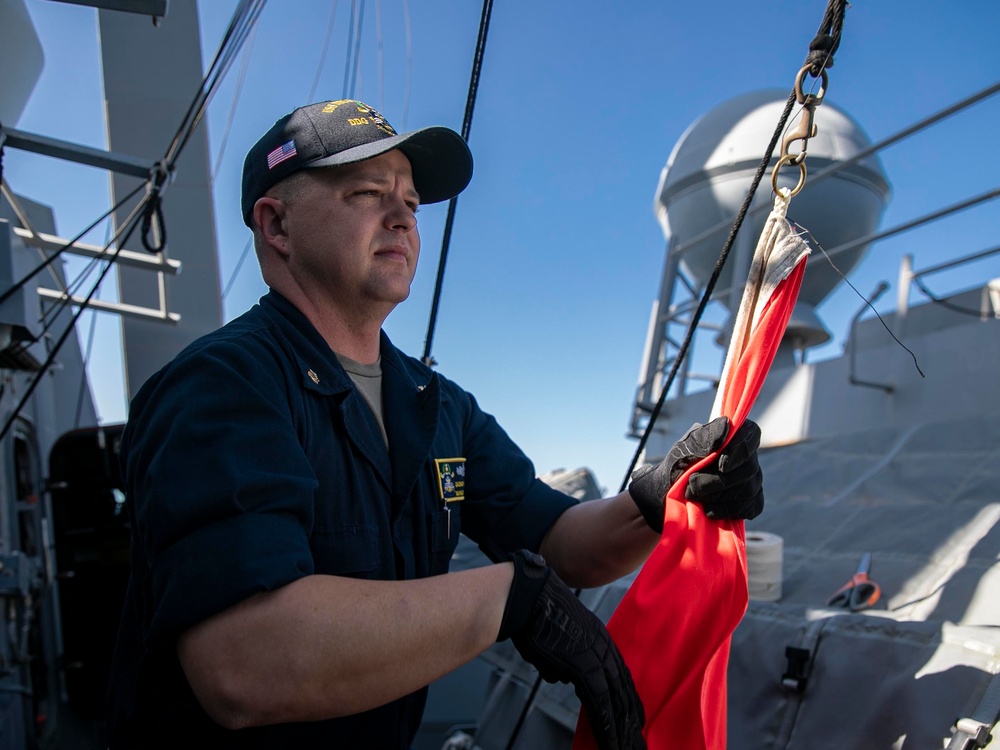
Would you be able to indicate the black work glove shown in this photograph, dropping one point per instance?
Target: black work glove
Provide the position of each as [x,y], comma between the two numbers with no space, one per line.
[732,487]
[566,642]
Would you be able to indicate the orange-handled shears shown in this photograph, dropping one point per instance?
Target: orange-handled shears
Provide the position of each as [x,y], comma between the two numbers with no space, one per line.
[860,592]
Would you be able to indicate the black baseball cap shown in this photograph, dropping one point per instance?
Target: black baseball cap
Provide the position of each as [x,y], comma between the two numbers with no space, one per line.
[329,134]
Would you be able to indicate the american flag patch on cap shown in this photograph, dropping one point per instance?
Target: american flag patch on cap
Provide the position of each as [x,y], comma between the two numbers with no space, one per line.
[282,153]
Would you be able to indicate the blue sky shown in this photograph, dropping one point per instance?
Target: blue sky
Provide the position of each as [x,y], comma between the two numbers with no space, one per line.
[556,255]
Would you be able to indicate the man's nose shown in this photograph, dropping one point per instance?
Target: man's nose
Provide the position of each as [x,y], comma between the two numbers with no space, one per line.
[400,214]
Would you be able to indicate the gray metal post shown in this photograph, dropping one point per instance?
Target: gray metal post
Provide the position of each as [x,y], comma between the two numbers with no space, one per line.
[151,75]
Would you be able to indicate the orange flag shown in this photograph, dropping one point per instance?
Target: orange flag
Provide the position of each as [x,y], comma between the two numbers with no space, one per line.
[673,625]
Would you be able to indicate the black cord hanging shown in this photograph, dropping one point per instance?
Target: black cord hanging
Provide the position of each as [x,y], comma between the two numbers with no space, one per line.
[470,103]
[820,57]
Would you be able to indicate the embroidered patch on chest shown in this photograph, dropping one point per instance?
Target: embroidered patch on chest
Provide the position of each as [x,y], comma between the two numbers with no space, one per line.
[451,478]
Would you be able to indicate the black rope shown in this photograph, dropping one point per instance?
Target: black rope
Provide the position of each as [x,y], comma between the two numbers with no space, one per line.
[827,40]
[945,303]
[243,21]
[154,210]
[820,57]
[48,261]
[132,223]
[834,27]
[149,208]
[470,103]
[709,288]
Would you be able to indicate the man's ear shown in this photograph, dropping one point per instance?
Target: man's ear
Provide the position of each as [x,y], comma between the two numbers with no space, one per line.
[269,214]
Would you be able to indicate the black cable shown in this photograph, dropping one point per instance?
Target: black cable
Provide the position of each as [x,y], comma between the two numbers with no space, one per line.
[31,274]
[470,104]
[236,270]
[820,57]
[50,316]
[356,62]
[945,303]
[244,19]
[348,46]
[132,223]
[149,208]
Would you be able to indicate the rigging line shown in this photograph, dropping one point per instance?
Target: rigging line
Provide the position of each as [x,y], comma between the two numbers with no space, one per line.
[863,298]
[238,90]
[378,47]
[350,41]
[89,350]
[239,265]
[920,220]
[244,18]
[251,22]
[56,308]
[820,56]
[238,17]
[326,48]
[31,274]
[59,305]
[470,104]
[945,303]
[33,384]
[409,62]
[25,221]
[83,373]
[874,148]
[357,49]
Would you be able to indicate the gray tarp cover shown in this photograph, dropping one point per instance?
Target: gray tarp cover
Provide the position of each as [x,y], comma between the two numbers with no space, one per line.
[925,501]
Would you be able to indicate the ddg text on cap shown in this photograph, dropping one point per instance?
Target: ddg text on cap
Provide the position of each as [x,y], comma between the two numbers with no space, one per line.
[329,134]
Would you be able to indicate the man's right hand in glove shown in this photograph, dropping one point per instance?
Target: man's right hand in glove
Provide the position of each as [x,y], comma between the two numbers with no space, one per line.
[566,642]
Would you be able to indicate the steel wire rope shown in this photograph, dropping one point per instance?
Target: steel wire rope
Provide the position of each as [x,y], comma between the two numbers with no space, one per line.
[49,316]
[127,228]
[243,20]
[324,51]
[379,54]
[470,105]
[409,62]
[839,166]
[312,92]
[353,48]
[355,74]
[237,92]
[48,261]
[237,268]
[87,352]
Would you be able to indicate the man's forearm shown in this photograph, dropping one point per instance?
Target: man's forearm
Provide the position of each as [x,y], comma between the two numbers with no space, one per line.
[325,646]
[599,541]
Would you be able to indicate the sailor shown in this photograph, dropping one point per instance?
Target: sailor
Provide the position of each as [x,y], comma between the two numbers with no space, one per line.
[296,487]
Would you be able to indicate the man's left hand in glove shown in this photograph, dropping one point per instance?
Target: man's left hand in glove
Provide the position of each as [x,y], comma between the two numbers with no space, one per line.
[731,487]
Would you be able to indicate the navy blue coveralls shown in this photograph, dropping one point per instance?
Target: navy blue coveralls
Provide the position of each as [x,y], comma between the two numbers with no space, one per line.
[251,461]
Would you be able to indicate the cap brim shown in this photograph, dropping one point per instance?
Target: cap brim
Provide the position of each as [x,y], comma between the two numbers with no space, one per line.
[439,157]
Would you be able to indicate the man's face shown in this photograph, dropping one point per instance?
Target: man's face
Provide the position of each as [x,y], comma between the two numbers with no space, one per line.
[352,234]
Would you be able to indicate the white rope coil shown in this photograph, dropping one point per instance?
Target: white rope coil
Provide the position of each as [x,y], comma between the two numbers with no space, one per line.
[764,561]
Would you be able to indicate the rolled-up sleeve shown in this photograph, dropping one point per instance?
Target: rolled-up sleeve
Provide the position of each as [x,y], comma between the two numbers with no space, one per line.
[221,492]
